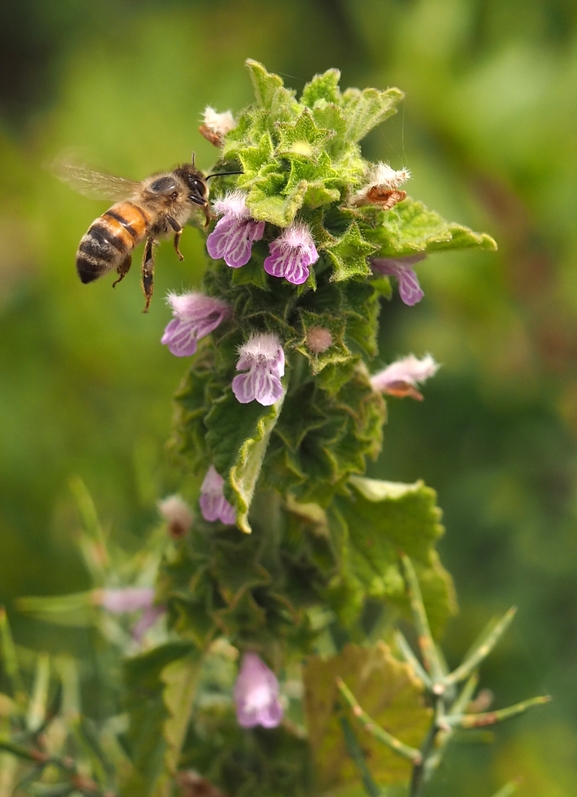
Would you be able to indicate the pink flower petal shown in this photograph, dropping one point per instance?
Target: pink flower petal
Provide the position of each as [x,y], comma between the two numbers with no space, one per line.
[213,505]
[263,359]
[256,694]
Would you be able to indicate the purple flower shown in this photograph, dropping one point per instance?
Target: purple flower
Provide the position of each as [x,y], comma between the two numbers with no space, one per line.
[148,618]
[195,316]
[409,288]
[233,236]
[262,358]
[128,599]
[400,379]
[213,504]
[291,254]
[132,599]
[256,694]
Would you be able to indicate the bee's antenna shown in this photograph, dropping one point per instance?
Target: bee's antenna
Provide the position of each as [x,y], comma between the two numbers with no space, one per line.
[193,159]
[221,174]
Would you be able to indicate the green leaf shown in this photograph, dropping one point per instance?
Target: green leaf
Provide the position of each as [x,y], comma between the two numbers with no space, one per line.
[336,353]
[303,138]
[362,315]
[271,201]
[366,109]
[386,689]
[147,714]
[270,92]
[237,437]
[349,255]
[180,678]
[314,452]
[410,227]
[255,158]
[323,87]
[75,609]
[385,517]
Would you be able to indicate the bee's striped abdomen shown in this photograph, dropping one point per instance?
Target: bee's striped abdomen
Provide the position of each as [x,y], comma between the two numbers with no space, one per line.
[110,239]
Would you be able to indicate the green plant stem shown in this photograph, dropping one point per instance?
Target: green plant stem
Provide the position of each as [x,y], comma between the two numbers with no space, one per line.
[493,717]
[425,638]
[355,752]
[423,769]
[371,727]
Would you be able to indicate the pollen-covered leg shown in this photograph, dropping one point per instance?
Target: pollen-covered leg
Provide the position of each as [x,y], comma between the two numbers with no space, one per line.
[148,272]
[122,270]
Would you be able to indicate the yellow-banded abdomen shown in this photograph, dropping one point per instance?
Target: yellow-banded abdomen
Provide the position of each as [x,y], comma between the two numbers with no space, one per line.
[110,239]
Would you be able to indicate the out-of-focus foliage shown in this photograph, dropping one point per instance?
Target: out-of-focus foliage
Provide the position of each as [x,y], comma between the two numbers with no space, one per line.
[488,131]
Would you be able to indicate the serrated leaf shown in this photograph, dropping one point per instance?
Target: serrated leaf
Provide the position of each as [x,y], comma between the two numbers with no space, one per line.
[386,689]
[323,87]
[270,200]
[349,255]
[254,158]
[411,227]
[237,437]
[383,518]
[303,138]
[366,109]
[362,311]
[270,92]
[336,353]
[313,452]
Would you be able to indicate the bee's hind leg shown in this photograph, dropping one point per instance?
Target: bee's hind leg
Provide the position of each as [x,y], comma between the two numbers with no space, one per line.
[122,270]
[177,233]
[148,272]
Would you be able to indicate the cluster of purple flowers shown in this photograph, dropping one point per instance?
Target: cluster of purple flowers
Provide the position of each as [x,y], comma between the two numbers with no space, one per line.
[293,252]
[290,255]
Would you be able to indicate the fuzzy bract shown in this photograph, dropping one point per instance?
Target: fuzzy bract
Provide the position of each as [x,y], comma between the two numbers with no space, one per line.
[213,504]
[195,316]
[291,254]
[262,358]
[256,694]
[217,124]
[177,514]
[235,233]
[401,377]
[409,289]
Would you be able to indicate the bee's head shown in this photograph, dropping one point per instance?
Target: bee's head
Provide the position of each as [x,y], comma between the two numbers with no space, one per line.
[195,183]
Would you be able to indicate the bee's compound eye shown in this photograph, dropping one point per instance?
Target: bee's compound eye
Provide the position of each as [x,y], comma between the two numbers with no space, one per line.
[199,186]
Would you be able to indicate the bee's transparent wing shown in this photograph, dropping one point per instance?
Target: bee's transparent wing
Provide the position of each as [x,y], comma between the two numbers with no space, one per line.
[91,183]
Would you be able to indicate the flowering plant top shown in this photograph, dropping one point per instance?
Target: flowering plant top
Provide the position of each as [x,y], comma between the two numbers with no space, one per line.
[303,244]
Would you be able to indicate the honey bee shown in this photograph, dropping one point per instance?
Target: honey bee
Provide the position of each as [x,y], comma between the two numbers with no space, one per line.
[154,208]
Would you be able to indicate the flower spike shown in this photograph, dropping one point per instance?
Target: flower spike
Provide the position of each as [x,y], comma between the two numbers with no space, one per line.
[195,316]
[409,289]
[291,254]
[262,358]
[256,694]
[235,233]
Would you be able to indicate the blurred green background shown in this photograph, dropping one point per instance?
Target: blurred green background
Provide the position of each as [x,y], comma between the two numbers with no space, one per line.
[489,129]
